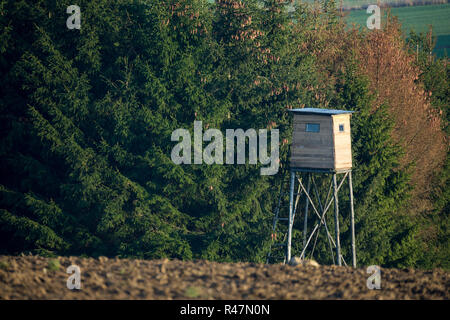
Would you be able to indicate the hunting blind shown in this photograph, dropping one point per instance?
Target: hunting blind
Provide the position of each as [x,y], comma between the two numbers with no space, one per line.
[321,146]
[321,139]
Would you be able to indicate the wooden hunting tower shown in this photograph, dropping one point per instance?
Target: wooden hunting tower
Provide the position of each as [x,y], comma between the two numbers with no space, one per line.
[321,139]
[321,146]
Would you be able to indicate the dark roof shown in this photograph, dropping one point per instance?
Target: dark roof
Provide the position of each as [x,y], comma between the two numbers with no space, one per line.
[327,112]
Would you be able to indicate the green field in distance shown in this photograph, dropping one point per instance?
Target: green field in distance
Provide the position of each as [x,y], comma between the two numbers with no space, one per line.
[359,4]
[417,18]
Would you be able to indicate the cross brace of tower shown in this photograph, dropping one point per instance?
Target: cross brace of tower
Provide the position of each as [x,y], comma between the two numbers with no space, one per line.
[306,187]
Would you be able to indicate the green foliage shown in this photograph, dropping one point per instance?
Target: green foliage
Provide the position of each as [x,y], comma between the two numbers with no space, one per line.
[385,235]
[87,115]
[4,265]
[53,265]
[435,76]
[193,292]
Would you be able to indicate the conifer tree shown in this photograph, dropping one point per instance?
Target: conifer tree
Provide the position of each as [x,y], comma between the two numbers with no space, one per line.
[87,116]
[386,236]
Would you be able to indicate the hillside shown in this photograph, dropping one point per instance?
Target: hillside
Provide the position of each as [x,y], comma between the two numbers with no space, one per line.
[34,277]
[91,117]
[358,4]
[418,19]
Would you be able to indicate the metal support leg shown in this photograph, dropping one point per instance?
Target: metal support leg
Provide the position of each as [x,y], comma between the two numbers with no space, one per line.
[305,225]
[291,215]
[336,219]
[352,212]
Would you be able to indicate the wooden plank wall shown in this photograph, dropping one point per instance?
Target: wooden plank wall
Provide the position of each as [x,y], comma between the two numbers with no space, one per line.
[342,142]
[327,149]
[312,149]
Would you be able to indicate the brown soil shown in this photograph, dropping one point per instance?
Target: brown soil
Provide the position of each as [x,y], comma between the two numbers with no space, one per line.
[33,277]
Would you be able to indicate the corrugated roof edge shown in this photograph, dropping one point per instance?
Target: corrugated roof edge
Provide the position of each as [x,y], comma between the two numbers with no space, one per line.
[320,111]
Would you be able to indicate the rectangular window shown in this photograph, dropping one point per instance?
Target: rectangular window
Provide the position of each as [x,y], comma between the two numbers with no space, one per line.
[341,127]
[312,127]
